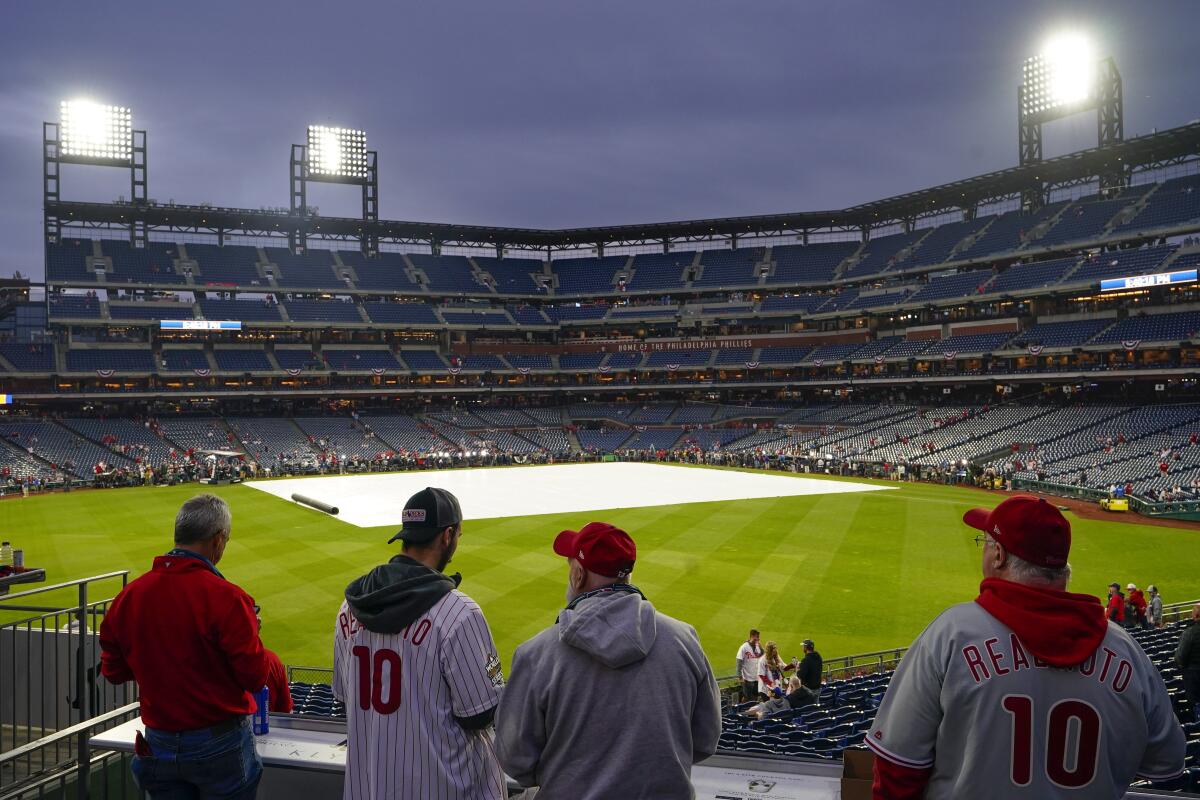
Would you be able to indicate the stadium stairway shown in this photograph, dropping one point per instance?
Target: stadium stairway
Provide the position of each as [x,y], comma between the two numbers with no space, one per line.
[1042,228]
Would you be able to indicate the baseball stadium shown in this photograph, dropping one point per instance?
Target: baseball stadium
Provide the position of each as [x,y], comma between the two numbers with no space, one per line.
[790,413]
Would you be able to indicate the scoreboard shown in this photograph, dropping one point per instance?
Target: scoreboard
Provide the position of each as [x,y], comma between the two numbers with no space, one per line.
[198,325]
[1147,281]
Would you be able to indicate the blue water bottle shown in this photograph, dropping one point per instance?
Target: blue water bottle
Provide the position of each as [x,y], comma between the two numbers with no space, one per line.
[262,707]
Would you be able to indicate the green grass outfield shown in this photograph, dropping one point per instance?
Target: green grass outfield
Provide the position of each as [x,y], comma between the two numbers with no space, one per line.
[855,572]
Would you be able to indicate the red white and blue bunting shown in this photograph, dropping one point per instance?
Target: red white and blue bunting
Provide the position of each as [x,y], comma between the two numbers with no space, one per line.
[1130,344]
[202,373]
[292,372]
[106,373]
[1035,349]
[751,365]
[950,355]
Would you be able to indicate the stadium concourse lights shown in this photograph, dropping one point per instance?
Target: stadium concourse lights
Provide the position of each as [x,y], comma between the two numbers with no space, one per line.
[95,131]
[337,152]
[1064,74]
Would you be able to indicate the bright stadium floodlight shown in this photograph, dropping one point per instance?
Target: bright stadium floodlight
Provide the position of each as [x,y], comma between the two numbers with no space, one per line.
[1064,74]
[93,130]
[337,153]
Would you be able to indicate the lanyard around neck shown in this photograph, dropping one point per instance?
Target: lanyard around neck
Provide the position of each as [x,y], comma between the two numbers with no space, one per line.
[180,553]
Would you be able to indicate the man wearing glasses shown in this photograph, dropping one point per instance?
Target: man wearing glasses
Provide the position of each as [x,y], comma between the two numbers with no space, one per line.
[1027,691]
[190,639]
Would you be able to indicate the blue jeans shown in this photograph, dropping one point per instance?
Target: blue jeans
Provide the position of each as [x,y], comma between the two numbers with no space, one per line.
[195,764]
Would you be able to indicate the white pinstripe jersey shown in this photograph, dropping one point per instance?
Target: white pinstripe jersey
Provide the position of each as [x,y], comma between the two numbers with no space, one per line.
[402,692]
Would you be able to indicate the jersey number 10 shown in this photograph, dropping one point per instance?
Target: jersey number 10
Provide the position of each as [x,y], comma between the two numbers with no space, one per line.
[1064,715]
[371,679]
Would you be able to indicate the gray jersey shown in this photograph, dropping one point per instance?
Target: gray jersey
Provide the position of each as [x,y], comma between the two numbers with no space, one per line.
[993,721]
[402,692]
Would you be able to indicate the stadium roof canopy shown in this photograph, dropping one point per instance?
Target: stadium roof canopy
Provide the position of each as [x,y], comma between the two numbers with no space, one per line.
[1152,151]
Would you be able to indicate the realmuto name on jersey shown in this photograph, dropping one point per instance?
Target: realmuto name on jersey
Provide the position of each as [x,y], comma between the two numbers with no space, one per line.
[414,633]
[998,656]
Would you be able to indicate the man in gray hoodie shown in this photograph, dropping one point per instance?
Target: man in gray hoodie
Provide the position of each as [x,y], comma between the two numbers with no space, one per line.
[613,700]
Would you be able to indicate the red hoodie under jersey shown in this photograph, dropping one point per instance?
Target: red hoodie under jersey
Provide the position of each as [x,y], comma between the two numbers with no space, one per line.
[1061,628]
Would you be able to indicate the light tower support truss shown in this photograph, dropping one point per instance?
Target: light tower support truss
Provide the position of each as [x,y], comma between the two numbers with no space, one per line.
[1034,109]
[302,173]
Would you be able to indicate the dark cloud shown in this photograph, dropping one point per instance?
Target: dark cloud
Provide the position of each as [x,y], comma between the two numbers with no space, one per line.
[552,114]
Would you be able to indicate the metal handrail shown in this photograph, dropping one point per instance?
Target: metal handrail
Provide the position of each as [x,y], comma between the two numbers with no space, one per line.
[67,733]
[123,573]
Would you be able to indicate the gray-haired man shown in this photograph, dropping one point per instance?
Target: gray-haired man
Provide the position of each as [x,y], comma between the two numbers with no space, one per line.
[190,639]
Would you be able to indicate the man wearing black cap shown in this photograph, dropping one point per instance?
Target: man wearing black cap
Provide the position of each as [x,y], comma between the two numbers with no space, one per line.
[1028,691]
[614,699]
[415,664]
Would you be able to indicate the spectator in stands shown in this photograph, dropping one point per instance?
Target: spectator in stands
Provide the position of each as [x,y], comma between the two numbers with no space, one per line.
[1115,611]
[968,711]
[1187,657]
[748,656]
[1154,614]
[812,666]
[772,669]
[612,676]
[772,705]
[430,736]
[190,639]
[1137,605]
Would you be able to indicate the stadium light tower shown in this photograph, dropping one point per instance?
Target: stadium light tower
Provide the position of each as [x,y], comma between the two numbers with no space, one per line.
[1067,78]
[335,155]
[97,134]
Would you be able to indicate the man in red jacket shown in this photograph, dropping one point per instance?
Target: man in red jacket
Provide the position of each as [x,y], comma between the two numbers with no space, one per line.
[190,639]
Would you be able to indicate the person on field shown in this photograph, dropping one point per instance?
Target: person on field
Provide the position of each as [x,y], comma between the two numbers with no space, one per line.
[1027,692]
[190,639]
[615,699]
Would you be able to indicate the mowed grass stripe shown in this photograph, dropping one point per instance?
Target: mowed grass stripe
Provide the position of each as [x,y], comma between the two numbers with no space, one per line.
[854,571]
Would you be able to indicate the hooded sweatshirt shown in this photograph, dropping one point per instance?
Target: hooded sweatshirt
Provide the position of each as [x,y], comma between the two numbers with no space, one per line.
[613,700]
[415,664]
[971,709]
[395,594]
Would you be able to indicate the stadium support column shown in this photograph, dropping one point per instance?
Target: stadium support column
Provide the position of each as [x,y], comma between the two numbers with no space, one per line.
[138,187]
[50,183]
[369,242]
[51,225]
[1029,137]
[1110,121]
[299,196]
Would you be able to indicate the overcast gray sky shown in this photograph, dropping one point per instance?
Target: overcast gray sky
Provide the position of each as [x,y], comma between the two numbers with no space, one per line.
[560,114]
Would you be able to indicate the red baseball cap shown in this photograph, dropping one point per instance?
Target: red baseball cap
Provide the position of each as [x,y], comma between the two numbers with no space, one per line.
[1028,527]
[601,548]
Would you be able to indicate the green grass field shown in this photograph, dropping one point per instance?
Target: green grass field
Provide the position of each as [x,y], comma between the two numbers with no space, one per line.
[855,572]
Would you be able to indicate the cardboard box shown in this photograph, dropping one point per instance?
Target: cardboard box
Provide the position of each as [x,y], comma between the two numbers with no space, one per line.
[857,769]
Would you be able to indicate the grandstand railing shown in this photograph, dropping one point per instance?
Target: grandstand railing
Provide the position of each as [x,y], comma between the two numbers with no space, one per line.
[63,763]
[50,678]
[54,697]
[1145,507]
